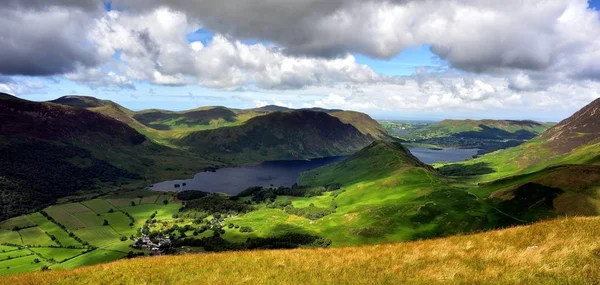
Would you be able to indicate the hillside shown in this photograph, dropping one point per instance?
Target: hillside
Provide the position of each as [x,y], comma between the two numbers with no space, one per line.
[575,140]
[296,134]
[50,151]
[81,101]
[187,130]
[486,135]
[379,159]
[554,252]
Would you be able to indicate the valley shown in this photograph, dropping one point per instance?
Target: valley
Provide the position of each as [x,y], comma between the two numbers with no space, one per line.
[216,179]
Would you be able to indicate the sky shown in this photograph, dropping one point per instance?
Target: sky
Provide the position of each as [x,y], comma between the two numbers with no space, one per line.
[392,59]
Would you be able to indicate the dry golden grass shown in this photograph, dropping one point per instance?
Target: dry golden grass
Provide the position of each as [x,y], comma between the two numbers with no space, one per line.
[563,251]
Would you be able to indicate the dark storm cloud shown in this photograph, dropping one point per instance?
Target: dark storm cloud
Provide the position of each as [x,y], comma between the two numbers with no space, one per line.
[45,42]
[88,5]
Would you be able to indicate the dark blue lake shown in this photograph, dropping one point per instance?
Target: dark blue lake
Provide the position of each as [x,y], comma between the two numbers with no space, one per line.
[233,180]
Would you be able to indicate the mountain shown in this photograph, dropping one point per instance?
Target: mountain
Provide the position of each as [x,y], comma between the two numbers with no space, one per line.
[543,253]
[582,128]
[486,135]
[186,130]
[81,101]
[379,159]
[294,134]
[50,151]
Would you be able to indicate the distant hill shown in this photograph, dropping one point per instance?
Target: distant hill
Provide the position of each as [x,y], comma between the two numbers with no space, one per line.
[81,101]
[183,129]
[294,134]
[486,135]
[543,253]
[244,136]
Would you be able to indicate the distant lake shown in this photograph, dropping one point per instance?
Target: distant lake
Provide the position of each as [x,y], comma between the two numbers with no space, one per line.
[443,155]
[233,180]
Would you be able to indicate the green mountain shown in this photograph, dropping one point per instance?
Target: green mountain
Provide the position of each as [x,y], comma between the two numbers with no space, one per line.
[50,151]
[378,160]
[486,135]
[246,136]
[294,134]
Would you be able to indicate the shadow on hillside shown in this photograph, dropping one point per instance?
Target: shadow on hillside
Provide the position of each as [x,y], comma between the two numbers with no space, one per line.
[466,170]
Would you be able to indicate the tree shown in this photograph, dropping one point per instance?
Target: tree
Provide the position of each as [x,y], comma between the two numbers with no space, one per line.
[166,202]
[123,238]
[105,223]
[37,260]
[113,210]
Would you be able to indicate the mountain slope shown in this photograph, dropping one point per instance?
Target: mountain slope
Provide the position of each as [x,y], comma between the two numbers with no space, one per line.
[379,159]
[296,134]
[50,151]
[555,252]
[178,129]
[575,140]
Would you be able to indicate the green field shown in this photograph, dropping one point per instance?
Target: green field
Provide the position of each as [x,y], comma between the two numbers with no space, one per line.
[11,237]
[35,236]
[52,229]
[14,254]
[75,208]
[85,220]
[65,218]
[94,257]
[58,254]
[98,205]
[99,236]
[5,248]
[118,203]
[149,199]
[20,221]
[120,223]
[21,264]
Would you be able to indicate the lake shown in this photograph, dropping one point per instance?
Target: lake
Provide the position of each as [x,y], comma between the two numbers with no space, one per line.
[442,155]
[232,180]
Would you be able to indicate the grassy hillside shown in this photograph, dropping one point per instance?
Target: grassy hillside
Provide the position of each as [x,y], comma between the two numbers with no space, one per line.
[487,135]
[554,252]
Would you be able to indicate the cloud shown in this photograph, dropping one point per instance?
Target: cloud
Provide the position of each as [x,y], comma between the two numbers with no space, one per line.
[154,47]
[553,40]
[45,42]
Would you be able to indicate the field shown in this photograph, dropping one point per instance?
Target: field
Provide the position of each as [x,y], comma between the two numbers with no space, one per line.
[84,221]
[20,221]
[35,236]
[543,253]
[58,254]
[21,264]
[52,229]
[98,205]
